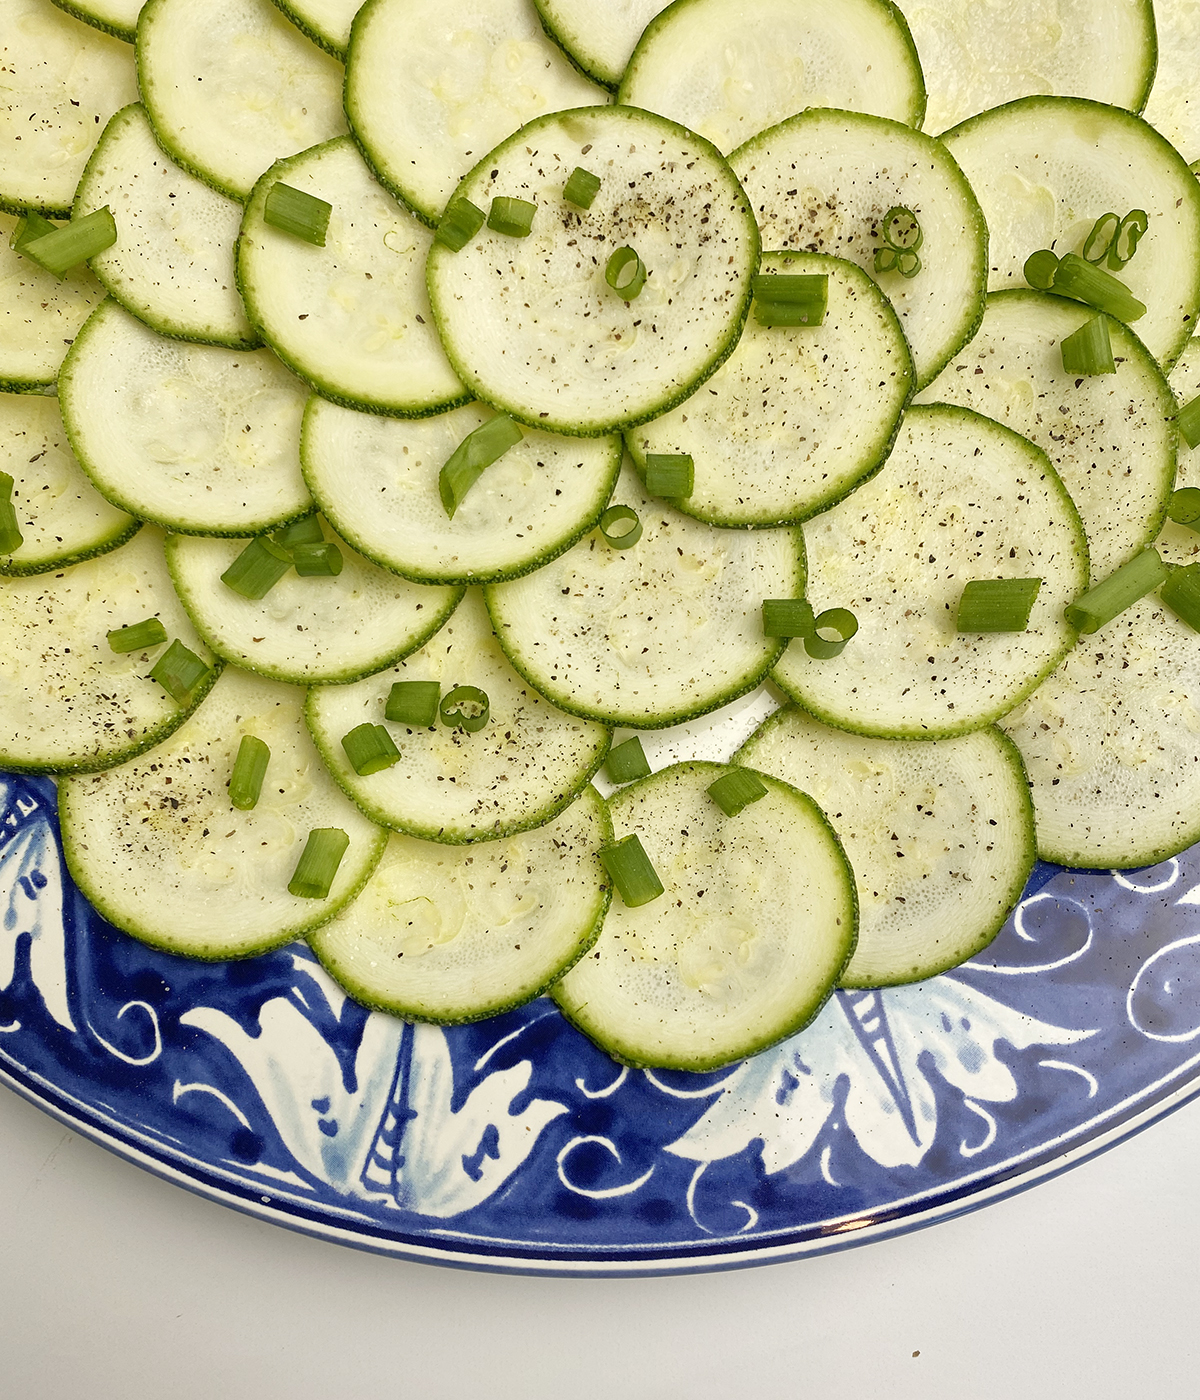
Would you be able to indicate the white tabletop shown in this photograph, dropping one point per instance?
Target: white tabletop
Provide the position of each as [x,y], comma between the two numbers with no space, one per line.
[116,1284]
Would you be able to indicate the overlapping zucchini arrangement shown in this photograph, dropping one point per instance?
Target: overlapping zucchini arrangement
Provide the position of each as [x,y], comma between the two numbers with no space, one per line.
[399,400]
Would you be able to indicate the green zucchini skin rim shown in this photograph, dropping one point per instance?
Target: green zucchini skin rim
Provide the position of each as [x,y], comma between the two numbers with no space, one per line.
[309,30]
[76,556]
[586,943]
[733,333]
[85,16]
[77,208]
[573,59]
[803,1018]
[255,199]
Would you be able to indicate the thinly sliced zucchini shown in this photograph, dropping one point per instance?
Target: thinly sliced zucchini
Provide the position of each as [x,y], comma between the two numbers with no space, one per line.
[326,22]
[68,702]
[654,634]
[755,925]
[960,498]
[62,81]
[977,56]
[115,17]
[527,763]
[599,39]
[1173,106]
[352,318]
[1180,544]
[306,630]
[377,481]
[62,518]
[433,85]
[453,933]
[231,86]
[798,415]
[1110,436]
[172,265]
[939,835]
[729,71]
[196,438]
[1046,168]
[157,846]
[532,325]
[1109,742]
[823,181]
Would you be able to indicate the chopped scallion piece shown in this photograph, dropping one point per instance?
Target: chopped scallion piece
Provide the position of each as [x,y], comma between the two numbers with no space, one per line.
[901,260]
[306,530]
[66,247]
[1075,278]
[257,569]
[322,560]
[460,222]
[318,863]
[465,707]
[179,671]
[1100,239]
[670,474]
[413,703]
[1187,420]
[736,789]
[29,226]
[997,604]
[1040,268]
[297,212]
[1089,350]
[1127,238]
[581,188]
[139,636]
[11,537]
[841,622]
[610,527]
[249,770]
[628,867]
[511,216]
[787,617]
[790,313]
[791,286]
[1184,506]
[370,749]
[625,273]
[901,229]
[626,762]
[476,452]
[1100,604]
[1181,593]
[791,300]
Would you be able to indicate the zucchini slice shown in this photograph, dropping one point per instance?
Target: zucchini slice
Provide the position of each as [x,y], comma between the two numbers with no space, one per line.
[939,835]
[453,934]
[325,22]
[1111,437]
[527,763]
[306,630]
[193,437]
[231,86]
[63,519]
[432,85]
[1180,544]
[352,318]
[755,925]
[172,265]
[960,498]
[531,324]
[798,415]
[161,852]
[728,70]
[654,634]
[599,39]
[1046,168]
[1173,106]
[116,17]
[823,181]
[376,479]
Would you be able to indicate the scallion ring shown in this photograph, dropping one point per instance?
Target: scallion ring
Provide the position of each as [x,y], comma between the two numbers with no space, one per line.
[625,273]
[465,707]
[901,229]
[613,518]
[1040,268]
[1127,238]
[1100,239]
[841,622]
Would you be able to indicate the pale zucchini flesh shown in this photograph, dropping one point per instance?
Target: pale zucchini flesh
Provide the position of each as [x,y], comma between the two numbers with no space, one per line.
[1180,544]
[1173,106]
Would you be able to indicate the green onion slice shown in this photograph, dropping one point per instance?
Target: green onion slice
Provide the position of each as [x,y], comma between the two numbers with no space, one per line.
[736,789]
[414,703]
[139,636]
[1100,239]
[29,226]
[465,707]
[306,530]
[791,286]
[901,229]
[460,222]
[1100,604]
[613,518]
[628,867]
[66,247]
[997,604]
[297,212]
[787,617]
[670,473]
[1187,420]
[581,188]
[369,748]
[625,273]
[626,762]
[1127,238]
[1040,268]
[1089,350]
[511,216]
[257,569]
[476,452]
[901,260]
[1075,278]
[1181,593]
[179,671]
[318,863]
[841,622]
[11,537]
[1184,506]
[792,300]
[322,560]
[249,770]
